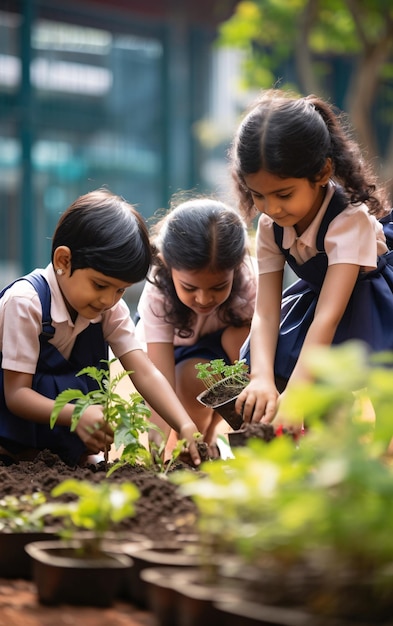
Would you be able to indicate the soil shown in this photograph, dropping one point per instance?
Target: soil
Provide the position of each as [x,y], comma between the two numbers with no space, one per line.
[162,514]
[258,430]
[221,392]
[222,397]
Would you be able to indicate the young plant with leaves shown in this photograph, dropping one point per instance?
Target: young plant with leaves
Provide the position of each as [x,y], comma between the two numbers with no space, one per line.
[217,370]
[96,508]
[16,513]
[324,506]
[128,417]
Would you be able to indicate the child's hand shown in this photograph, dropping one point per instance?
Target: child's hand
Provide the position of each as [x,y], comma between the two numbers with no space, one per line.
[285,420]
[257,402]
[190,433]
[92,429]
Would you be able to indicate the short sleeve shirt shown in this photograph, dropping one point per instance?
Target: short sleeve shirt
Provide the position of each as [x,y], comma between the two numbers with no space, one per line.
[353,236]
[152,327]
[21,320]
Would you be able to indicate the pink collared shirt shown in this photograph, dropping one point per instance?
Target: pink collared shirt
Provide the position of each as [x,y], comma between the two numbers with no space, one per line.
[353,237]
[21,319]
[152,328]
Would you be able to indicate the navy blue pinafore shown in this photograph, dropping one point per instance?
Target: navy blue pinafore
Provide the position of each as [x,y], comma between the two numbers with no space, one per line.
[54,374]
[369,313]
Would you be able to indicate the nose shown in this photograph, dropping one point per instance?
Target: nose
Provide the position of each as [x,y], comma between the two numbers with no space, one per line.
[108,299]
[203,297]
[271,209]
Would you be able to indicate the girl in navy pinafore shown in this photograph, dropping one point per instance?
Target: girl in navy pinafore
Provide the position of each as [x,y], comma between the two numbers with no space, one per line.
[295,162]
[369,311]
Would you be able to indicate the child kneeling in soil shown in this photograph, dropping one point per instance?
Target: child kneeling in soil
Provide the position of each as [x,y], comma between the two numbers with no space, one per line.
[58,320]
[198,301]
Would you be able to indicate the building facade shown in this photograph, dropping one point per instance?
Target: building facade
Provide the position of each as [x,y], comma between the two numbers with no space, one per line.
[98,93]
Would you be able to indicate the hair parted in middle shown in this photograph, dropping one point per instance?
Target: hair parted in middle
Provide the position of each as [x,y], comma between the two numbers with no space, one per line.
[201,233]
[292,137]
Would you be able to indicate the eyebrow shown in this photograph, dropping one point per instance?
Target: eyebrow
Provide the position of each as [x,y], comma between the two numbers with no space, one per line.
[272,192]
[107,283]
[184,284]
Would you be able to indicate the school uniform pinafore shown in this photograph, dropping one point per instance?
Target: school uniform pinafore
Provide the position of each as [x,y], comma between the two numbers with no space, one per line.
[369,313]
[54,374]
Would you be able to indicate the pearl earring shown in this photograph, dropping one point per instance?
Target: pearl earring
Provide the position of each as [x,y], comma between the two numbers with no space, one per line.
[59,272]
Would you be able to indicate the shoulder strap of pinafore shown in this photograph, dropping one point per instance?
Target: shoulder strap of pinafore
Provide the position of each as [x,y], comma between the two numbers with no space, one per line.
[40,284]
[387,225]
[336,205]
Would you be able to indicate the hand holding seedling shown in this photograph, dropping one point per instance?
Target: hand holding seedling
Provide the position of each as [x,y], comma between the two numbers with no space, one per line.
[95,432]
[189,434]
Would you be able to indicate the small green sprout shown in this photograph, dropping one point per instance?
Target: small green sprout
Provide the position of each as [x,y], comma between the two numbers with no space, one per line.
[16,512]
[217,370]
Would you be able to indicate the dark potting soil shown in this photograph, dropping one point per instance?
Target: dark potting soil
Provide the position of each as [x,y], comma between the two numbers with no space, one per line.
[161,514]
[161,511]
[221,392]
[260,431]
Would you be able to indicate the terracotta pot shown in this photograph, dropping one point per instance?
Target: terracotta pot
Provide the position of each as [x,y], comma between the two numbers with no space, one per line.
[170,555]
[62,576]
[213,398]
[14,560]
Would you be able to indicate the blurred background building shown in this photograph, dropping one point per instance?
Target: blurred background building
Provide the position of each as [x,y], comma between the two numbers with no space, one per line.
[104,93]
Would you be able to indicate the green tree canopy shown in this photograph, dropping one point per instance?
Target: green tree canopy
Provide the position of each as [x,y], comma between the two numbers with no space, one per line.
[339,49]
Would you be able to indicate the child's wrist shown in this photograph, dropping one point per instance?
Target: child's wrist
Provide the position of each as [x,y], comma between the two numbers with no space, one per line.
[187,430]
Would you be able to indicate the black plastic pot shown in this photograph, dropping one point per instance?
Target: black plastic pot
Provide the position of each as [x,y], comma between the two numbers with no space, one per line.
[14,560]
[63,576]
[212,398]
[171,555]
[181,597]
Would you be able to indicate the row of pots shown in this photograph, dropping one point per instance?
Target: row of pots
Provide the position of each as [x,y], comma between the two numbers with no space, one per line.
[164,579]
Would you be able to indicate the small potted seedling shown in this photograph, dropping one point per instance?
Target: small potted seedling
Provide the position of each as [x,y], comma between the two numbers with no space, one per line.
[223,384]
[17,528]
[78,568]
[128,417]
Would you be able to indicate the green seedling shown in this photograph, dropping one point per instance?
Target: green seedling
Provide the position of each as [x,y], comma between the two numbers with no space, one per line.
[217,370]
[128,417]
[330,498]
[97,508]
[16,513]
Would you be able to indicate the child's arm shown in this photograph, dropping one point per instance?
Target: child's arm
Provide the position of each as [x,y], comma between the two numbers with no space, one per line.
[259,399]
[30,405]
[162,356]
[158,393]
